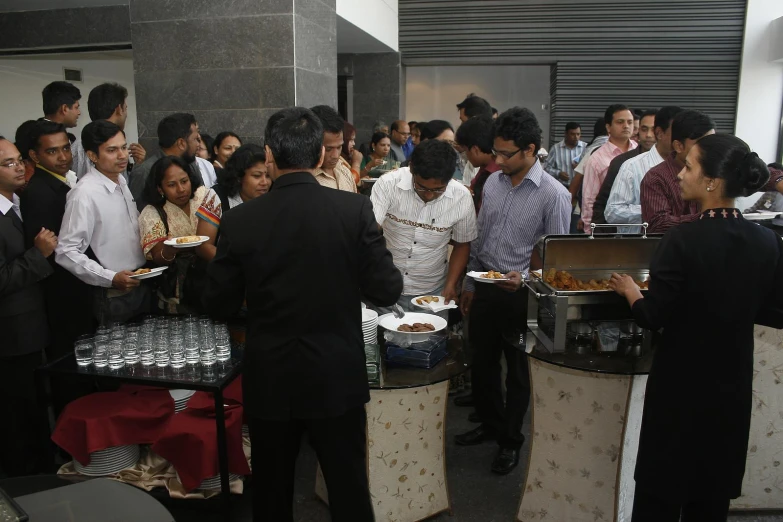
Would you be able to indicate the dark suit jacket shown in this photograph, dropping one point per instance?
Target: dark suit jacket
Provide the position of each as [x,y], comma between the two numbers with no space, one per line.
[68,300]
[22,315]
[304,255]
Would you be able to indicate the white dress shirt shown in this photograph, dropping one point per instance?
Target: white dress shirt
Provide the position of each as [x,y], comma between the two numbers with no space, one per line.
[418,233]
[6,205]
[624,204]
[208,173]
[101,215]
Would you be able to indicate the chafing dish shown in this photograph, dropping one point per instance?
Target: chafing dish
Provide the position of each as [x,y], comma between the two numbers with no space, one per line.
[561,319]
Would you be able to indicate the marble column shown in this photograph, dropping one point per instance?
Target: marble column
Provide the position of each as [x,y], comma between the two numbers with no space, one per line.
[378,89]
[231,63]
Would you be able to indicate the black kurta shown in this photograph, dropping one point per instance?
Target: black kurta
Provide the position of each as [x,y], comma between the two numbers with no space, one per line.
[710,281]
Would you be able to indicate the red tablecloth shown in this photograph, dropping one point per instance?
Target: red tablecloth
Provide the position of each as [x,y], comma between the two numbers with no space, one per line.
[107,419]
[190,444]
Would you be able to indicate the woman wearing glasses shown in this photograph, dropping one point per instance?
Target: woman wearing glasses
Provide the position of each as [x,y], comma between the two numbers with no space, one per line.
[421,209]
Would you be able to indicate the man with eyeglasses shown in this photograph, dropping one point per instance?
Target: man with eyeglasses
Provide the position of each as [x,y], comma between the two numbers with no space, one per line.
[23,448]
[400,132]
[421,210]
[519,205]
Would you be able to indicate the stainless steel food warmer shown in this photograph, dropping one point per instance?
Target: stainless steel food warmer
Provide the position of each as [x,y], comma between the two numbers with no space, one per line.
[587,320]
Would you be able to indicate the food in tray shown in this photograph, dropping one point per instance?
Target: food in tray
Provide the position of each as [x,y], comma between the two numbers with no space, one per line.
[563,280]
[188,239]
[416,327]
[493,275]
[142,271]
[427,299]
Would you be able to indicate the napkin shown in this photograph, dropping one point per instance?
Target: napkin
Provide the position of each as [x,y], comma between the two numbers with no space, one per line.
[438,307]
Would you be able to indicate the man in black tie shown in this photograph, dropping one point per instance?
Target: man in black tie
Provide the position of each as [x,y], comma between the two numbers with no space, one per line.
[304,256]
[25,334]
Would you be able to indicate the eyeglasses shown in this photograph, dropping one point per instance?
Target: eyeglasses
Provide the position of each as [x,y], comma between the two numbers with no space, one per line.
[13,164]
[419,188]
[507,155]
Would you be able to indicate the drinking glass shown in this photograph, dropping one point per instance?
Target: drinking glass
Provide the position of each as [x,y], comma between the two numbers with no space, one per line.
[207,352]
[100,354]
[146,352]
[83,349]
[116,360]
[177,352]
[208,373]
[162,355]
[130,351]
[222,347]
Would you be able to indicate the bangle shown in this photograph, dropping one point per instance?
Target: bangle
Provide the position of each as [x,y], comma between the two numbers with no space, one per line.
[165,258]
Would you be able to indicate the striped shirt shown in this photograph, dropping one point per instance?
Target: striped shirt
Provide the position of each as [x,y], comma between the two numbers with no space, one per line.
[512,219]
[662,203]
[595,174]
[342,179]
[561,159]
[417,232]
[624,204]
[598,142]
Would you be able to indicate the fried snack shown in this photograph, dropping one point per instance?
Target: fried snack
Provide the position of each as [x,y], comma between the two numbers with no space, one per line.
[427,299]
[188,239]
[142,271]
[493,275]
[416,328]
[563,280]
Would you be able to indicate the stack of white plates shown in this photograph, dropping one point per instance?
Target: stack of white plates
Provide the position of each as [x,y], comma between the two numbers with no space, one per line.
[245,430]
[213,482]
[370,326]
[109,461]
[181,398]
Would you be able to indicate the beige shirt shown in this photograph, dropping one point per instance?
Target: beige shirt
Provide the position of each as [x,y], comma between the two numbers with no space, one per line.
[342,179]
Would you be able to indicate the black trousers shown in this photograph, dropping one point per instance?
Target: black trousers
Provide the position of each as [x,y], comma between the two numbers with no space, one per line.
[493,312]
[649,507]
[341,446]
[24,436]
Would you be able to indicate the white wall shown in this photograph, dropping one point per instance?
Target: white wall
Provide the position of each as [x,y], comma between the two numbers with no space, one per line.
[378,18]
[23,78]
[432,93]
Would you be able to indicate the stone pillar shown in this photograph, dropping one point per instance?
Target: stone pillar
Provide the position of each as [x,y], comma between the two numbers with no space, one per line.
[378,89]
[232,63]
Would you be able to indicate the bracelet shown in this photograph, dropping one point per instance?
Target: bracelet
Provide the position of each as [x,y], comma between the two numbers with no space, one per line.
[165,258]
[780,178]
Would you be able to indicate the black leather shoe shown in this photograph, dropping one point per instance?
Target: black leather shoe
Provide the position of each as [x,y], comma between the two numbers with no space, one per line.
[506,461]
[475,436]
[464,401]
[474,417]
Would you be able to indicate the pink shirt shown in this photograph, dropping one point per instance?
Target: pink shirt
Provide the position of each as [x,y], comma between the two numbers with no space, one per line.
[595,174]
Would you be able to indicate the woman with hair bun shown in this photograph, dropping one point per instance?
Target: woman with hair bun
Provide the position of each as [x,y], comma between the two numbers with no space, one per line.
[711,280]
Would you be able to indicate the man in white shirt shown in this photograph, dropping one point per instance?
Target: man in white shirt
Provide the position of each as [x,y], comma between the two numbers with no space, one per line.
[178,135]
[99,238]
[108,101]
[422,209]
[624,203]
[563,155]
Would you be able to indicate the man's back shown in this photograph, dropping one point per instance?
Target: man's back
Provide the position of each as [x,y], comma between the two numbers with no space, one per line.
[305,256]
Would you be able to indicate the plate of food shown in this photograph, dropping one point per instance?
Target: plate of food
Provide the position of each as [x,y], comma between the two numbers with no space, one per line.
[488,277]
[417,326]
[760,215]
[432,302]
[146,273]
[186,241]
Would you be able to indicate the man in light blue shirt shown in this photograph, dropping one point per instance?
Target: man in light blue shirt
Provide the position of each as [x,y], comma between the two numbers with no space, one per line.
[624,204]
[564,156]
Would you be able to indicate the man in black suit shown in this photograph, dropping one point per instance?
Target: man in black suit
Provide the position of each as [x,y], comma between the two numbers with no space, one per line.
[303,256]
[25,334]
[68,304]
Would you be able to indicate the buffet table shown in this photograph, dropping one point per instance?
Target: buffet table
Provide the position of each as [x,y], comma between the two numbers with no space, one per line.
[406,430]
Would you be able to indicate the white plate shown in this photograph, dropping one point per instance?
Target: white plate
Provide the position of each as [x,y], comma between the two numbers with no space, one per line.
[173,242]
[760,216]
[478,277]
[369,180]
[391,323]
[426,306]
[155,272]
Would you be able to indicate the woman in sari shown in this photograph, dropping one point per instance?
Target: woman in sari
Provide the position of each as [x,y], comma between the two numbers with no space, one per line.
[176,194]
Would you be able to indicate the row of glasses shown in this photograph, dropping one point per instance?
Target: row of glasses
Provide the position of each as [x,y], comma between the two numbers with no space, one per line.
[157,341]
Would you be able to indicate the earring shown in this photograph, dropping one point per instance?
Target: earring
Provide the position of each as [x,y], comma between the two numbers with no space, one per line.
[709,189]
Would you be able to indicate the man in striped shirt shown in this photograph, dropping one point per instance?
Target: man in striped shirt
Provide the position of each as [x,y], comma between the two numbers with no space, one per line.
[619,126]
[623,204]
[563,155]
[519,205]
[422,210]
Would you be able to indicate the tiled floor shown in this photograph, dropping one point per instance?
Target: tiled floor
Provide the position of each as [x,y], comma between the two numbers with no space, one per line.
[477,494]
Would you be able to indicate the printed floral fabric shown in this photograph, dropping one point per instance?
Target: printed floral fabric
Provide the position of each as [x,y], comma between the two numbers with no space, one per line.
[151,226]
